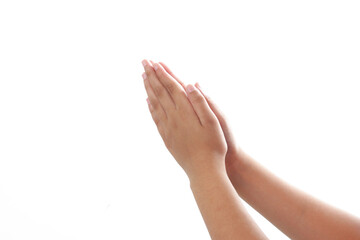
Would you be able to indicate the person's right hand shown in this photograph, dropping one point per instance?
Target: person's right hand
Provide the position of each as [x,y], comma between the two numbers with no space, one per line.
[234,153]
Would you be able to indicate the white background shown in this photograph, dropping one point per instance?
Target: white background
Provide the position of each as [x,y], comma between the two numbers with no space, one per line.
[80,157]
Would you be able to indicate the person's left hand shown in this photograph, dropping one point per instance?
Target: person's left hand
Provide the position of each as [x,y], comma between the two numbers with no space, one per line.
[188,127]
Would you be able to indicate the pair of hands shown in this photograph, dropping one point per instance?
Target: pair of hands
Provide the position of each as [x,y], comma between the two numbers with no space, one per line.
[198,136]
[192,127]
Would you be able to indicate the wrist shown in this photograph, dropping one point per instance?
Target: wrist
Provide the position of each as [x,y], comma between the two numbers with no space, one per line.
[237,163]
[208,180]
[207,174]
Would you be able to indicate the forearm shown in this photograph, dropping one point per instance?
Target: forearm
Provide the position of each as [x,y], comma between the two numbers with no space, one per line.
[222,209]
[294,212]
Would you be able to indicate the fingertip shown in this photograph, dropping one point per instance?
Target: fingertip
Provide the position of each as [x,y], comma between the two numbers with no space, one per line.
[164,66]
[197,85]
[190,88]
[206,95]
[147,64]
[149,104]
[170,73]
[160,67]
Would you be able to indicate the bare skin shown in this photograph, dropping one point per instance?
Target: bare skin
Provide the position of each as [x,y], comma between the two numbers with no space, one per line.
[295,213]
[193,135]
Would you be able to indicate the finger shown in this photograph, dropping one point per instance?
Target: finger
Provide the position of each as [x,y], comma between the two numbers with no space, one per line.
[151,109]
[200,106]
[219,115]
[167,69]
[159,90]
[187,108]
[156,110]
[173,87]
[211,104]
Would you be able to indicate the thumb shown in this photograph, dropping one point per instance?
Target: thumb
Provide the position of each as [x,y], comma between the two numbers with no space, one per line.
[200,106]
[219,115]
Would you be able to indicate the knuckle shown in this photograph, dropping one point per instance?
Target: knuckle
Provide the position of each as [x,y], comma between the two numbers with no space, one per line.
[155,116]
[159,91]
[157,113]
[196,98]
[168,84]
[154,106]
[148,70]
[173,123]
[158,118]
[157,121]
[170,87]
[160,73]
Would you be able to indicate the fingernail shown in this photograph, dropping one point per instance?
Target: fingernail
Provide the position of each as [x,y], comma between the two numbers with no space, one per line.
[190,88]
[144,63]
[198,85]
[156,66]
[148,101]
[144,76]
